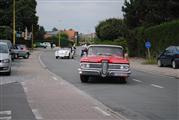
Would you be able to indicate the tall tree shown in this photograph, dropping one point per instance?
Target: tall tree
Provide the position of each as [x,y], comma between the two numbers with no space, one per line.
[110,29]
[149,12]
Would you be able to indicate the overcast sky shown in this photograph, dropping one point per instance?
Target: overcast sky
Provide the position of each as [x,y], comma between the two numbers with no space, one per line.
[81,15]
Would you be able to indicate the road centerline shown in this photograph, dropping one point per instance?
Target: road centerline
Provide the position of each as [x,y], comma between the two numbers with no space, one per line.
[157,86]
[137,80]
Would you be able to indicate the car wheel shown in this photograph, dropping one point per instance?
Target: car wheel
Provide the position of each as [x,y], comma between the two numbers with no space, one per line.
[159,63]
[123,80]
[26,56]
[174,66]
[9,72]
[84,78]
[57,57]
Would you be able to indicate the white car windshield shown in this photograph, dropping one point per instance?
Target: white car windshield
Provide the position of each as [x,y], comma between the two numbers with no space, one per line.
[105,50]
[3,48]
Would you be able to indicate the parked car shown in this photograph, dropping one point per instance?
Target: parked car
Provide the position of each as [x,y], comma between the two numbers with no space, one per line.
[169,57]
[21,51]
[5,59]
[67,52]
[10,47]
[104,61]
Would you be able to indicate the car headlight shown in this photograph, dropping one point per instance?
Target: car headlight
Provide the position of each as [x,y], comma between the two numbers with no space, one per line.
[85,65]
[125,67]
[6,61]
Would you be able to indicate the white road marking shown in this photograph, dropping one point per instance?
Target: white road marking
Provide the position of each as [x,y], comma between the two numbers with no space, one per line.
[137,80]
[6,118]
[37,114]
[54,78]
[5,115]
[43,65]
[25,89]
[8,112]
[102,111]
[157,86]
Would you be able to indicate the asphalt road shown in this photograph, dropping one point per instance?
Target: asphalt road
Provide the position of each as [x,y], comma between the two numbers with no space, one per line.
[13,100]
[145,96]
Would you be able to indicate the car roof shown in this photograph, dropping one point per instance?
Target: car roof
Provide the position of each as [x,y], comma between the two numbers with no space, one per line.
[101,45]
[3,43]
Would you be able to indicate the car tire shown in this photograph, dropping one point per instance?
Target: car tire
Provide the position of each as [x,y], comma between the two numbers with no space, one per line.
[26,56]
[174,66]
[123,80]
[159,63]
[57,57]
[9,72]
[84,78]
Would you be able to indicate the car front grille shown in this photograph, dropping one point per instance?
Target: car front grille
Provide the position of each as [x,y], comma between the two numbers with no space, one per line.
[95,65]
[114,66]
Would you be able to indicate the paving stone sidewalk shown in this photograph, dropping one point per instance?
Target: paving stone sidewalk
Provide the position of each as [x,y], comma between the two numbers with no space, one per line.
[136,63]
[52,98]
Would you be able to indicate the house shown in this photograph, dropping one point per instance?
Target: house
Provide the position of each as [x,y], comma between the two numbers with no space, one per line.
[72,35]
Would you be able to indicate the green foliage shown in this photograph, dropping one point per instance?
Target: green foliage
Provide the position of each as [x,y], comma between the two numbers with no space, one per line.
[110,29]
[25,14]
[163,35]
[121,42]
[64,41]
[5,32]
[160,36]
[149,12]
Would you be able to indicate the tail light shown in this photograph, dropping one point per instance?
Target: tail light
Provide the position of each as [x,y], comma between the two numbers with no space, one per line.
[177,55]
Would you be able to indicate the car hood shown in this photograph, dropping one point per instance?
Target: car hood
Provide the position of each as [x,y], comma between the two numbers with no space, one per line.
[4,56]
[111,59]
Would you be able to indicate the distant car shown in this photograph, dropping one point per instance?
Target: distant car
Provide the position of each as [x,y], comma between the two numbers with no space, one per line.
[10,47]
[5,59]
[64,53]
[169,57]
[21,51]
[104,61]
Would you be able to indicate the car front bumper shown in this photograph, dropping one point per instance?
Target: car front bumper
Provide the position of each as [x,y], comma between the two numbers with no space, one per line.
[110,73]
[5,67]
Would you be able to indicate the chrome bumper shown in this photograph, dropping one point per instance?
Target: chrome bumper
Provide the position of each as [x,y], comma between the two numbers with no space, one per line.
[110,73]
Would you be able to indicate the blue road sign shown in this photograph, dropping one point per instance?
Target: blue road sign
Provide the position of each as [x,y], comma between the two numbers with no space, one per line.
[147,44]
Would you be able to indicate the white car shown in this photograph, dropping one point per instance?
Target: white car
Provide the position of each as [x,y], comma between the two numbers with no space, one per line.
[64,53]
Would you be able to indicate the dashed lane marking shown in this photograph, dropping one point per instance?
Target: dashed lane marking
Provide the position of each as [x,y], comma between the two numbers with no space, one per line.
[54,78]
[5,115]
[157,86]
[37,114]
[137,80]
[102,111]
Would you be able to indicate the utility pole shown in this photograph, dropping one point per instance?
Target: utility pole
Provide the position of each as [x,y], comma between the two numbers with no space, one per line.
[32,36]
[14,22]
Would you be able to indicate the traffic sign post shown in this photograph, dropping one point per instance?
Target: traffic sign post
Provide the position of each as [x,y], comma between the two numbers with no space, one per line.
[148,46]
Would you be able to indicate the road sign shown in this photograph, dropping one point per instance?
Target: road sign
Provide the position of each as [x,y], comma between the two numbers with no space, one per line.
[147,44]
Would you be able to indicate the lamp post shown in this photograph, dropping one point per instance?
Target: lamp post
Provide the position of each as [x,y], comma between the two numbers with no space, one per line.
[14,22]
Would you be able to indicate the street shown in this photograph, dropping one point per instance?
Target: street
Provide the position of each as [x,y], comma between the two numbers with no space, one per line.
[146,96]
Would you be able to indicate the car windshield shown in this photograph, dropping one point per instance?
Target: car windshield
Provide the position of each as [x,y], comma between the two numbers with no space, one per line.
[105,50]
[177,47]
[3,48]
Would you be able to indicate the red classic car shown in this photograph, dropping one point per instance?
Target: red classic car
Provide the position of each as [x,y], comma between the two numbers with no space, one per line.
[104,61]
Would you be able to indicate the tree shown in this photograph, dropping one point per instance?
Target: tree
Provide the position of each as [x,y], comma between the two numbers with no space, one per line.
[149,12]
[54,29]
[110,29]
[64,41]
[40,33]
[25,14]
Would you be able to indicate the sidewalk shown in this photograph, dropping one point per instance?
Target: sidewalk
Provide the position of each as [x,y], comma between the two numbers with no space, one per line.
[52,98]
[136,63]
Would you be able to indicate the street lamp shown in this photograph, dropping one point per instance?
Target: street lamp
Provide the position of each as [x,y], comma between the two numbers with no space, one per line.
[14,22]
